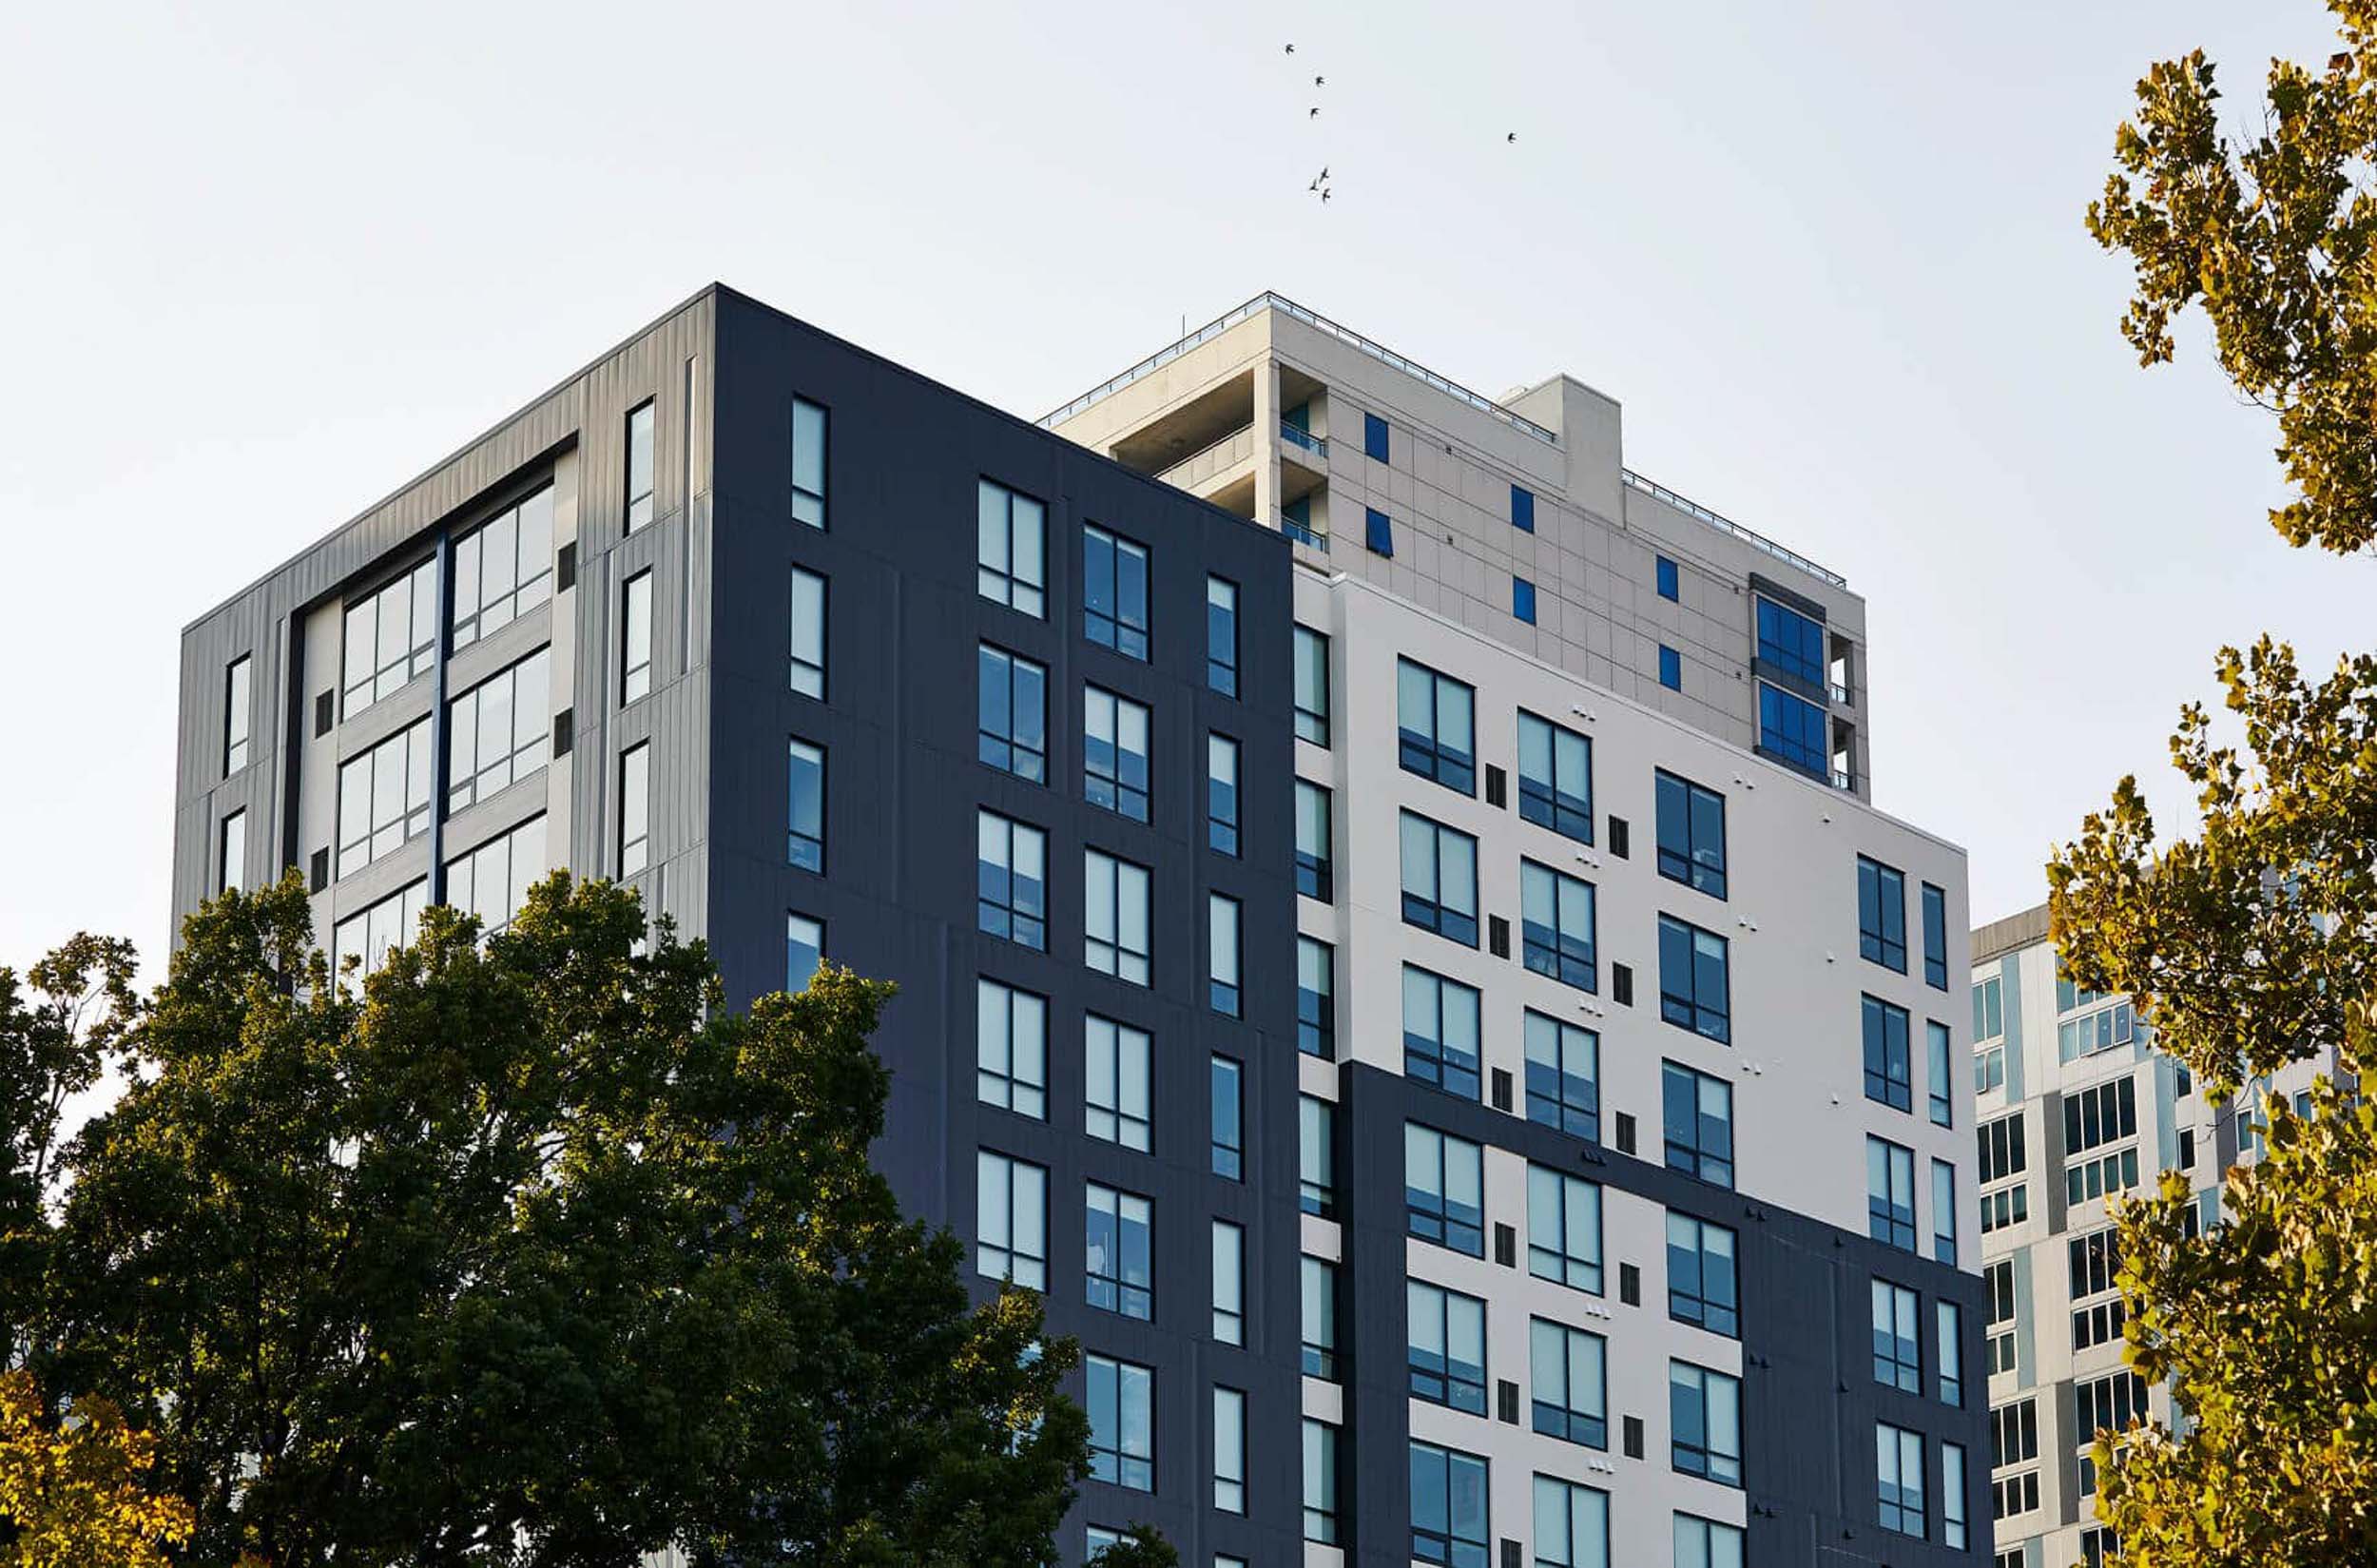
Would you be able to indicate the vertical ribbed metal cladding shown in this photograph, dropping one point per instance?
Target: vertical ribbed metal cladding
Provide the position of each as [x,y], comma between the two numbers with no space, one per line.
[439,670]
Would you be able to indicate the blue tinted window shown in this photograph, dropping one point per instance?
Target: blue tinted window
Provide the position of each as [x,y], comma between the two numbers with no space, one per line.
[1523,599]
[1010,721]
[1114,592]
[1440,867]
[1890,1194]
[1557,925]
[1377,531]
[1445,1353]
[805,810]
[1555,778]
[1671,669]
[1374,436]
[1791,730]
[1436,726]
[1668,588]
[1881,914]
[1935,938]
[1889,1075]
[1790,642]
[1698,1119]
[1522,508]
[1443,1189]
[1448,1507]
[1439,1032]
[1220,635]
[1691,834]
[1563,1076]
[1695,980]
[1701,1289]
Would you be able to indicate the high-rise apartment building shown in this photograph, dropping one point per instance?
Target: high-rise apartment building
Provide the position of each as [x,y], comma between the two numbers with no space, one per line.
[2076,1109]
[1408,969]
[1638,1219]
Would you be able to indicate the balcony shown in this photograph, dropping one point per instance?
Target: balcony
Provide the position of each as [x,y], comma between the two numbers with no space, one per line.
[1304,534]
[1200,468]
[1301,440]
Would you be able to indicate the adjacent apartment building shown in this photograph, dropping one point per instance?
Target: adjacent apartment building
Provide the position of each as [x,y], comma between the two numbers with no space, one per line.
[1637,1215]
[1522,1192]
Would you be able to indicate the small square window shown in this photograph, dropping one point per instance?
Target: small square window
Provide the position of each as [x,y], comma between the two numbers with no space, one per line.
[1523,599]
[1671,669]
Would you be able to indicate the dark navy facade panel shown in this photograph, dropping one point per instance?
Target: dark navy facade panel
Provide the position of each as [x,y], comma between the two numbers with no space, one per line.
[897,723]
[1808,1398]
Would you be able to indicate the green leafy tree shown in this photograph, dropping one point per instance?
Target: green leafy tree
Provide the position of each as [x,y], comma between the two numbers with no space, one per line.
[534,1253]
[2271,235]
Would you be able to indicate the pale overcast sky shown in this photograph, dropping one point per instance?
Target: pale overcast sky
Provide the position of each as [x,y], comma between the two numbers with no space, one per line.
[265,262]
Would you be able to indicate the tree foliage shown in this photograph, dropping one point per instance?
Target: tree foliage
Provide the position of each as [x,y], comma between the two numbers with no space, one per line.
[533,1254]
[2271,235]
[73,1492]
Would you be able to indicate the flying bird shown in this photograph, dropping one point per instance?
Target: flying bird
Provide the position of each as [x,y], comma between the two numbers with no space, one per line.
[1325,196]
[1320,81]
[1315,114]
[1512,137]
[1291,48]
[1324,173]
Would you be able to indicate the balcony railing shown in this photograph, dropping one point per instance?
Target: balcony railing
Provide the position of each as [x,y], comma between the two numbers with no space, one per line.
[1749,536]
[1840,694]
[1844,779]
[1296,435]
[1303,534]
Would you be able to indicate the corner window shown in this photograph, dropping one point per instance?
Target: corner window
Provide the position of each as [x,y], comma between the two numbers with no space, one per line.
[1315,875]
[1221,794]
[1555,778]
[1881,914]
[1557,925]
[1436,726]
[1114,592]
[640,465]
[635,808]
[1698,1122]
[1115,766]
[1312,686]
[1010,1048]
[1010,880]
[1705,1421]
[236,715]
[1117,917]
[808,633]
[1691,834]
[1440,871]
[808,463]
[1316,998]
[1563,1076]
[1011,548]
[1444,1189]
[502,569]
[1439,1032]
[1118,1101]
[1695,980]
[1887,1072]
[1702,1287]
[1011,712]
[1118,1252]
[805,812]
[1220,635]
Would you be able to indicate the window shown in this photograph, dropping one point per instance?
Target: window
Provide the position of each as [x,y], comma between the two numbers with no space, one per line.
[1898,1467]
[1563,1230]
[383,798]
[1230,1282]
[367,935]
[1888,1076]
[1446,1350]
[1374,436]
[636,638]
[1122,1423]
[1988,1010]
[1318,1283]
[1011,1220]
[1116,1076]
[804,949]
[1935,903]
[1790,730]
[2107,1404]
[1665,574]
[2096,1262]
[640,466]
[1115,936]
[1890,1194]
[492,881]
[1443,1189]
[1698,1117]
[1228,1108]
[1881,914]
[808,463]
[1229,1450]
[390,635]
[1312,686]
[1118,1253]
[1221,794]
[1011,713]
[1315,874]
[1563,1076]
[1319,1478]
[2014,1440]
[2104,1113]
[1691,834]
[1571,1525]
[1790,642]
[1555,778]
[2098,1545]
[1898,1359]
[237,714]
[1220,635]
[1938,1084]
[1523,600]
[1010,1048]
[1316,1156]
[808,633]
[804,837]
[1439,1032]
[635,808]
[1114,753]
[231,853]
[1436,726]
[1448,1506]
[1705,1421]
[1568,1384]
[1953,1530]
[1557,925]
[1223,922]
[1704,1543]
[1316,998]
[1943,1212]
[1948,1352]
[1997,1285]
[1695,980]
[1440,867]
[2003,1157]
[498,731]
[1671,669]
[1011,548]
[1010,880]
[1522,508]
[1114,592]
[1702,1287]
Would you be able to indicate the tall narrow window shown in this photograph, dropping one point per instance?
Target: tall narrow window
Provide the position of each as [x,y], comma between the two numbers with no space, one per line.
[1699,1123]
[1671,668]
[499,731]
[1705,1421]
[231,854]
[1011,712]
[1221,794]
[1436,726]
[1011,879]
[1320,1482]
[1948,1353]
[692,430]
[1563,1076]
[1226,1100]
[1440,1032]
[1563,1230]
[1890,1194]
[1222,939]
[1312,686]
[1557,925]
[1449,1523]
[1897,1352]
[1230,1282]
[1939,1087]
[640,467]
[1374,442]
[236,714]
[804,949]
[1117,918]
[636,638]
[808,463]
[1444,1189]
[1555,777]
[1952,1530]
[1115,1082]
[1011,1220]
[1667,580]
[808,633]
[1445,1353]
[1702,1287]
[502,569]
[1118,1253]
[1378,532]
[1010,1048]
[1439,868]
[1220,635]
[1315,874]
[1943,1212]
[1011,548]
[1695,980]
[1317,1279]
[1881,914]
[1523,600]
[1122,1423]
[1691,834]
[1888,1075]
[1114,592]
[1316,1156]
[805,837]
[1115,768]
[1570,1384]
[1316,998]
[1898,1465]
[1522,508]
[1229,1450]
[1935,936]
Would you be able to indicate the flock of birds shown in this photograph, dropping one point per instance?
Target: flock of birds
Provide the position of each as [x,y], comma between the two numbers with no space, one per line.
[1320,185]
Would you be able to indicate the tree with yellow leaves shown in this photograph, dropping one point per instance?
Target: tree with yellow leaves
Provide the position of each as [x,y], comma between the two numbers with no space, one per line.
[74,1491]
